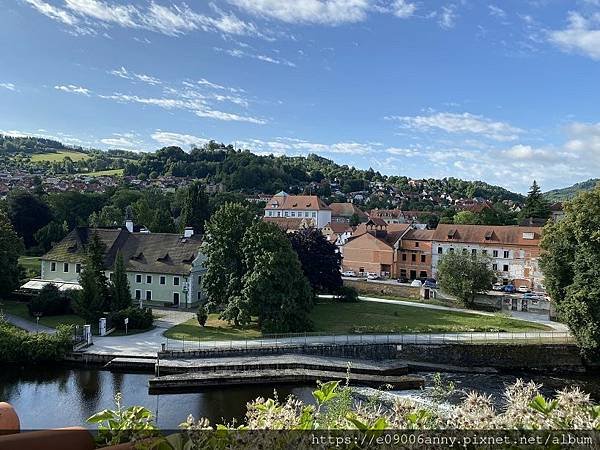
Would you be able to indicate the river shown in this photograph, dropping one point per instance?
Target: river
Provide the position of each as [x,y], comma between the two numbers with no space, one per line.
[60,396]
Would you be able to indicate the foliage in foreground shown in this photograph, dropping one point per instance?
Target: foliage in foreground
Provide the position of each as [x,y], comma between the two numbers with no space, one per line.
[335,409]
[20,347]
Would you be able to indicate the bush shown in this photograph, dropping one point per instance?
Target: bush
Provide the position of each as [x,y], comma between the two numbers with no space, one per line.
[348,294]
[50,302]
[202,315]
[19,346]
[139,319]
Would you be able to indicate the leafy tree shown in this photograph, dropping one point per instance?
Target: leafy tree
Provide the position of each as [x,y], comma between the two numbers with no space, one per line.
[466,218]
[464,275]
[94,295]
[163,222]
[536,205]
[109,216]
[320,260]
[224,259]
[354,220]
[274,286]
[195,208]
[28,213]
[50,234]
[11,247]
[571,262]
[120,291]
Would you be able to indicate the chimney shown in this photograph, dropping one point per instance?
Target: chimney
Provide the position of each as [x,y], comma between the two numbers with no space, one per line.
[188,232]
[129,225]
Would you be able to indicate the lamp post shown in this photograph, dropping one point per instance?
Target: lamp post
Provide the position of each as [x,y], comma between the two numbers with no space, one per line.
[185,291]
[37,320]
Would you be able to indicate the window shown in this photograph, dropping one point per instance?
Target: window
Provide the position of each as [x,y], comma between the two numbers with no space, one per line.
[53,266]
[506,253]
[138,278]
[416,244]
[148,279]
[148,296]
[65,267]
[473,251]
[175,281]
[199,279]
[413,257]
[484,252]
[278,213]
[403,256]
[163,279]
[293,213]
[465,251]
[505,268]
[199,295]
[423,258]
[440,250]
[77,268]
[111,276]
[314,214]
[494,266]
[495,253]
[138,294]
[176,298]
[287,213]
[270,213]
[451,250]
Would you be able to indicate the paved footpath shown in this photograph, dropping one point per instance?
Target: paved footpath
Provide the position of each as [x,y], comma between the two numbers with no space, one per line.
[28,325]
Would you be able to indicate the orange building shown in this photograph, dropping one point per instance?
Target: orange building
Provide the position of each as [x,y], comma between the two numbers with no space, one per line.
[414,258]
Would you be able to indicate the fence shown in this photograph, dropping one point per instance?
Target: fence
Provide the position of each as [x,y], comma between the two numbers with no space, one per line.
[292,340]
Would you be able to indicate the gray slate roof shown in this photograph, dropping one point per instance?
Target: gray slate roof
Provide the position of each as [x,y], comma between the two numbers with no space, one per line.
[142,252]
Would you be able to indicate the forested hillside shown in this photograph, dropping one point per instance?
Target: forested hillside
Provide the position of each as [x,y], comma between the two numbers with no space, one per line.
[559,195]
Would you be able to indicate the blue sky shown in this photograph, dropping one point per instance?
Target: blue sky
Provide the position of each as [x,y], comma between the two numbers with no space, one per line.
[502,91]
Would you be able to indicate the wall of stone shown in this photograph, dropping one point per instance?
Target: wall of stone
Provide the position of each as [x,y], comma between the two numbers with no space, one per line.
[373,288]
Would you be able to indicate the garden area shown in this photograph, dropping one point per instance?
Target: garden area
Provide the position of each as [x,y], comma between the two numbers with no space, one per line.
[330,317]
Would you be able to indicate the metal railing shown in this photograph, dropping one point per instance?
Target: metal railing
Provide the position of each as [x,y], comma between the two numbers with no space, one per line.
[292,340]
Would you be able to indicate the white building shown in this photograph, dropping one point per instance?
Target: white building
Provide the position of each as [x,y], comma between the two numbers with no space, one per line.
[283,205]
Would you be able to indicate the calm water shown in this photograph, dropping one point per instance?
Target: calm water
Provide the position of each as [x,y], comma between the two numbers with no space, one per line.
[59,397]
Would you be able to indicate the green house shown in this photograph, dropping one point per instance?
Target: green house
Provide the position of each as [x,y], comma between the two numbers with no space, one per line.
[164,269]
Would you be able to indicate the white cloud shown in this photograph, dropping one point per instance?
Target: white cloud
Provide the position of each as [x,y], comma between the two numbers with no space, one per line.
[167,138]
[329,12]
[496,11]
[293,146]
[72,89]
[459,123]
[447,17]
[121,141]
[582,35]
[403,8]
[123,73]
[9,86]
[220,115]
[237,53]
[171,20]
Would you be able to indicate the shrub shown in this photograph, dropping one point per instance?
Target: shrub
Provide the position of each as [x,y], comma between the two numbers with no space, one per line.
[19,346]
[139,319]
[348,294]
[202,315]
[50,302]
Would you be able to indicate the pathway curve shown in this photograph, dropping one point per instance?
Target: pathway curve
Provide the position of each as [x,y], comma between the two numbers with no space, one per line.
[28,325]
[517,315]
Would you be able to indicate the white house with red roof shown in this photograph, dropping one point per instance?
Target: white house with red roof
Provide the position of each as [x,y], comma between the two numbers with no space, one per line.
[283,205]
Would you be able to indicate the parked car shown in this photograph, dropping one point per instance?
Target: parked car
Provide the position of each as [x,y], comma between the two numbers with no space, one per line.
[430,284]
[402,280]
[372,276]
[523,288]
[416,283]
[349,273]
[509,288]
[497,286]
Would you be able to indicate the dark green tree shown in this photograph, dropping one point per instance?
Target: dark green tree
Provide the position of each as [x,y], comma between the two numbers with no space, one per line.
[120,297]
[163,222]
[93,298]
[536,205]
[320,260]
[11,247]
[224,260]
[274,286]
[50,234]
[354,220]
[571,263]
[28,213]
[196,210]
[464,275]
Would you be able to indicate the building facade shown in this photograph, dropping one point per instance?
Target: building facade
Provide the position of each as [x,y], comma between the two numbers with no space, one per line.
[283,205]
[513,250]
[162,268]
[414,254]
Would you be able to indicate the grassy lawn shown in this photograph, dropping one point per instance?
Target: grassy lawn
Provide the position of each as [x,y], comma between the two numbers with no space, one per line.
[106,173]
[58,156]
[363,317]
[32,265]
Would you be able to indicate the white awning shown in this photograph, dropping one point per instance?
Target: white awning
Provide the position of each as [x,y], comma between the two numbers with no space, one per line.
[37,285]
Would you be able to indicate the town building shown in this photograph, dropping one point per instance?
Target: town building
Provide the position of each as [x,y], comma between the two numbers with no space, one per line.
[337,232]
[414,258]
[163,269]
[344,212]
[283,205]
[513,250]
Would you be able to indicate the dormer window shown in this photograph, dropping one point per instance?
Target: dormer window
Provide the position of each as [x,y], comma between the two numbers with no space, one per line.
[528,235]
[489,235]
[452,233]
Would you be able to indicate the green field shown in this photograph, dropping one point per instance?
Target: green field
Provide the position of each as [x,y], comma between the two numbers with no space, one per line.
[106,173]
[20,310]
[32,265]
[58,156]
[363,317]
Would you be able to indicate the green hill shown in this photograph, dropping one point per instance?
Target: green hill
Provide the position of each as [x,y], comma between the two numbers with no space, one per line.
[559,195]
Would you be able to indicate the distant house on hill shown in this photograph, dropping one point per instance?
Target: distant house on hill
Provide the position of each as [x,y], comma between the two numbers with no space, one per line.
[163,269]
[284,205]
[343,212]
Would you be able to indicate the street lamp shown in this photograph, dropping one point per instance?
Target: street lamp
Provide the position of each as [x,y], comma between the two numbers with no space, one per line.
[37,320]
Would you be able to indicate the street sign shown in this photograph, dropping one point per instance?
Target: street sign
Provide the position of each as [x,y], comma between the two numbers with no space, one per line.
[126,320]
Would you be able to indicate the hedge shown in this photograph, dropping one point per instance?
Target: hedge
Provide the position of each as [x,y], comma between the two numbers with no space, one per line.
[19,346]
